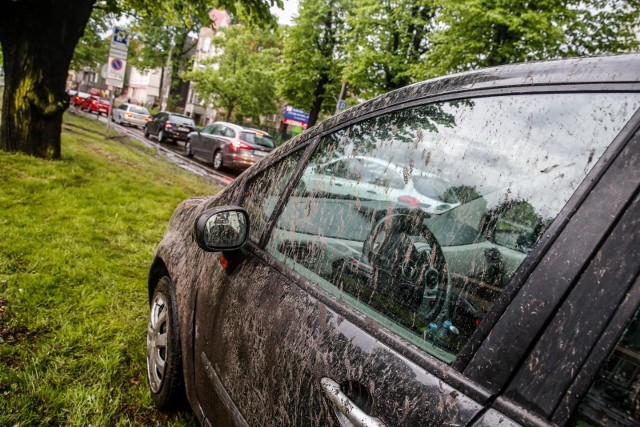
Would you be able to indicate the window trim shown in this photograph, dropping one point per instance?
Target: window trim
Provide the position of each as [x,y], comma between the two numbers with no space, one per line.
[454,374]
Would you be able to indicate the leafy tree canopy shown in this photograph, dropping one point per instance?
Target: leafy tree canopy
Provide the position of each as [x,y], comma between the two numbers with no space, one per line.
[241,78]
[386,39]
[310,75]
[479,33]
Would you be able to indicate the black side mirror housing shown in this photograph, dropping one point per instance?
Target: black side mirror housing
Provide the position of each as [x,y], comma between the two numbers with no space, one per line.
[224,228]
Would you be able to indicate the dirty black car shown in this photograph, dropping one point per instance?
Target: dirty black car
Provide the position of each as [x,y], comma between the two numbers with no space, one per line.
[273,303]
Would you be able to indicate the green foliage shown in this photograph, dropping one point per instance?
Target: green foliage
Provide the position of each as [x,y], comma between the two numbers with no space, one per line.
[386,40]
[241,78]
[310,74]
[480,33]
[78,236]
[93,47]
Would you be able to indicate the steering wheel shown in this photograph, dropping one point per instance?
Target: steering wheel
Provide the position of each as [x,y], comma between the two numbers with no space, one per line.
[408,264]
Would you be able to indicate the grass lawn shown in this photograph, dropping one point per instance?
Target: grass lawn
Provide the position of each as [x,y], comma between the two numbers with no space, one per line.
[77,237]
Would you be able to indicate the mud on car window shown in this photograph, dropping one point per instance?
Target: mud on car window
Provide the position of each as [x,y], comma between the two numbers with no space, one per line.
[482,179]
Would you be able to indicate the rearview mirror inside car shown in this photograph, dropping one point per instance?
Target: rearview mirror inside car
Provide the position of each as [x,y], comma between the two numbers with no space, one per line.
[222,229]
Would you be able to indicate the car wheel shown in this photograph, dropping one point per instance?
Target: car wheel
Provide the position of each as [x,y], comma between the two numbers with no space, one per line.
[188,148]
[161,137]
[217,160]
[146,132]
[164,357]
[113,119]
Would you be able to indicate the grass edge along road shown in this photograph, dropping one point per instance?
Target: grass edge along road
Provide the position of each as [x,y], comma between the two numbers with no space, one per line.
[77,236]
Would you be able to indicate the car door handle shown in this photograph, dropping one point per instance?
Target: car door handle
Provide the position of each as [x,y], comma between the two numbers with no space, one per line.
[347,412]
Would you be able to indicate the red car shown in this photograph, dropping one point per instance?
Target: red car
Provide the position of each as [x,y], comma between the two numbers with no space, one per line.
[95,104]
[78,98]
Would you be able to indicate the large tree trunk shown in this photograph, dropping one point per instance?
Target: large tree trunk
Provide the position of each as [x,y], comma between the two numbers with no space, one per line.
[38,38]
[318,98]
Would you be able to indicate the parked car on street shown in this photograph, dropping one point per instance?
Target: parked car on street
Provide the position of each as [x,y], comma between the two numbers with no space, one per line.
[78,98]
[380,179]
[281,302]
[131,114]
[95,104]
[167,126]
[229,145]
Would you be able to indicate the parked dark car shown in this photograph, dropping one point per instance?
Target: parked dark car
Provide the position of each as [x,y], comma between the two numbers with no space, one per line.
[229,145]
[95,104]
[167,126]
[277,304]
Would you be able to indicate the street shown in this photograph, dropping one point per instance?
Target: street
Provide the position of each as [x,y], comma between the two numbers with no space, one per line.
[174,151]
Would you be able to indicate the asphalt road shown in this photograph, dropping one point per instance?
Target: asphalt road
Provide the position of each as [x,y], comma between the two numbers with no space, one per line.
[175,152]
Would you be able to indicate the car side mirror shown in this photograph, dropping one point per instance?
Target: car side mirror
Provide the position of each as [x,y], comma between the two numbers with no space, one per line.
[222,229]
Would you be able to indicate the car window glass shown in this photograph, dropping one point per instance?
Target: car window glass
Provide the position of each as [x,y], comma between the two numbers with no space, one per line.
[139,110]
[264,190]
[122,107]
[257,138]
[228,132]
[614,397]
[482,179]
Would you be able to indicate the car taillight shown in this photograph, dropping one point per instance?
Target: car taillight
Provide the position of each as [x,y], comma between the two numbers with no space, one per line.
[128,115]
[240,145]
[409,200]
[94,102]
[148,119]
[167,126]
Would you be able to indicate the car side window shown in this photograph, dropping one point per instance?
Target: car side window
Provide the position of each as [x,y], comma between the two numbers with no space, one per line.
[228,132]
[122,107]
[264,190]
[614,397]
[478,181]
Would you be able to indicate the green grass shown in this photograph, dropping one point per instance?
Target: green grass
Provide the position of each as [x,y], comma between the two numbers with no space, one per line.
[77,237]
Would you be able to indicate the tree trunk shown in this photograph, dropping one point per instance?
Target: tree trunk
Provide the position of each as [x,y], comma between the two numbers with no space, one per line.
[38,38]
[318,98]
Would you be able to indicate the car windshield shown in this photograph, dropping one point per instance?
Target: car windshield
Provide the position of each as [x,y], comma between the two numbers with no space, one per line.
[258,139]
[139,110]
[181,120]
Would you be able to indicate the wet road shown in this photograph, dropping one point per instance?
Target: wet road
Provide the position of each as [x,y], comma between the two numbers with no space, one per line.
[174,151]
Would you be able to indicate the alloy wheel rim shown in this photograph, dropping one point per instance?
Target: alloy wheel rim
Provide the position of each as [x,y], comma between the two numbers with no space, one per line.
[157,342]
[217,161]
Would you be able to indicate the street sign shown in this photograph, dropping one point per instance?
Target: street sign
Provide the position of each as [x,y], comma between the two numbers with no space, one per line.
[342,105]
[116,68]
[120,37]
[117,64]
[296,114]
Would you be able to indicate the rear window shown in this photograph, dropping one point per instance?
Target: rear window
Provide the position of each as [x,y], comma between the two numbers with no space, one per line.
[181,120]
[258,139]
[139,110]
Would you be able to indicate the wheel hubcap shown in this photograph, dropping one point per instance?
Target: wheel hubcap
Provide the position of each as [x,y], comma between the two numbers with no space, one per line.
[157,342]
[217,161]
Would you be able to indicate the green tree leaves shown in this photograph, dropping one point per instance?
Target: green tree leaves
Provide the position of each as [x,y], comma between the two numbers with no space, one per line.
[241,78]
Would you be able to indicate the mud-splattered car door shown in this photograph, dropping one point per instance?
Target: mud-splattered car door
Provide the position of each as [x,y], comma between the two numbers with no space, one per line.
[347,310]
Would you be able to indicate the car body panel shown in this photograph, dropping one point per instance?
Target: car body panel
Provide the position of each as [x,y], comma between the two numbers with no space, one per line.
[252,327]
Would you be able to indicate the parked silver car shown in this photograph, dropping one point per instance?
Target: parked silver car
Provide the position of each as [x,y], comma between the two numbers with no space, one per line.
[130,114]
[229,145]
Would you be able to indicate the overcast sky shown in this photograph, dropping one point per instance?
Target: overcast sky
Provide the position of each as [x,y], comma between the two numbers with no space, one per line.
[285,17]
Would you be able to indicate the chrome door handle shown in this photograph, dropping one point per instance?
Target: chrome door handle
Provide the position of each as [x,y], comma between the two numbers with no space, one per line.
[347,412]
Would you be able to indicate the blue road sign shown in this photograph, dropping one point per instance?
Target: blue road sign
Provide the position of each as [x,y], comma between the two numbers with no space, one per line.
[117,64]
[120,36]
[296,114]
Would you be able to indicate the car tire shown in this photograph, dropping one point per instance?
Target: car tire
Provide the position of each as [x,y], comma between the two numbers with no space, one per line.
[164,357]
[188,151]
[161,137]
[146,132]
[217,160]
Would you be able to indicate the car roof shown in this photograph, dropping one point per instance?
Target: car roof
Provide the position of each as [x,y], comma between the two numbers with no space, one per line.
[242,128]
[176,114]
[575,71]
